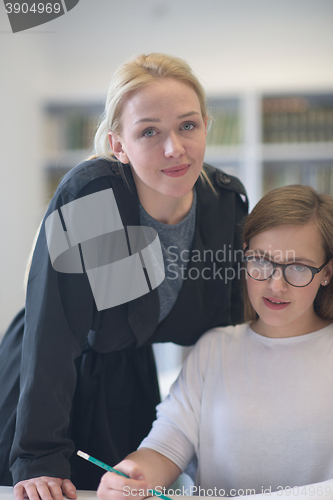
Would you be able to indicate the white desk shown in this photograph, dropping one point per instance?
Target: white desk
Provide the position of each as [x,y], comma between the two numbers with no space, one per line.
[6,493]
[317,491]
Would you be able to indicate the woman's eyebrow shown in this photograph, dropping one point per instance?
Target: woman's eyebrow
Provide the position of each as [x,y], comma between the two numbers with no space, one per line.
[188,114]
[147,120]
[185,115]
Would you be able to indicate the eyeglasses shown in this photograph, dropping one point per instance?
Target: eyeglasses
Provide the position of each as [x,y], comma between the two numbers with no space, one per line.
[295,274]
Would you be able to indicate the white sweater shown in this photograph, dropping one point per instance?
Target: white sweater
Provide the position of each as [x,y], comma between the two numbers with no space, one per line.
[257,412]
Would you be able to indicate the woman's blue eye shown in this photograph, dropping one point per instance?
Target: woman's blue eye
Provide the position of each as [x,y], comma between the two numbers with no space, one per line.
[188,126]
[149,133]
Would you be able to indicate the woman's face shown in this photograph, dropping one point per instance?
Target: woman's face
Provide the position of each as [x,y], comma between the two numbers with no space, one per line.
[163,137]
[285,310]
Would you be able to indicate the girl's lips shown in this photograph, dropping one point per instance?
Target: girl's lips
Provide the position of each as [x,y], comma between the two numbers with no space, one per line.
[176,171]
[275,304]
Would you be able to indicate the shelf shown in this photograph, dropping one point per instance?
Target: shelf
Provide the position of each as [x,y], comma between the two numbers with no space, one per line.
[223,154]
[251,135]
[71,126]
[318,174]
[297,151]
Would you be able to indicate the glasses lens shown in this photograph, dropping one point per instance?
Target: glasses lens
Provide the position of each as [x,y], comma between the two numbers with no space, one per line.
[298,275]
[259,269]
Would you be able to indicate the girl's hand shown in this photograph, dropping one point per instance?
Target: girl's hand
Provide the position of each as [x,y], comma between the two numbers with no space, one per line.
[44,488]
[115,487]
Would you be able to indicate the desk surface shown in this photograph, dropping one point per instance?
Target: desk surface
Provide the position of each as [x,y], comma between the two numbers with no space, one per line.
[317,491]
[6,493]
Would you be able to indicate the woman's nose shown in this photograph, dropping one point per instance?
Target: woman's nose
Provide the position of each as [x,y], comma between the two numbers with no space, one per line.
[173,147]
[277,283]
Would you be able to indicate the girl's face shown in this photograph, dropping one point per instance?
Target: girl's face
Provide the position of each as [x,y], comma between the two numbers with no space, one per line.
[285,310]
[163,137]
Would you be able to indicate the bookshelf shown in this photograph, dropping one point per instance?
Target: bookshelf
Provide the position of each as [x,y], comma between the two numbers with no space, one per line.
[68,137]
[224,138]
[267,140]
[302,118]
[297,140]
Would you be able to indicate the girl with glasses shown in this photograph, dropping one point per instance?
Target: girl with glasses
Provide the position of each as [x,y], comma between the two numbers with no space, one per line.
[254,403]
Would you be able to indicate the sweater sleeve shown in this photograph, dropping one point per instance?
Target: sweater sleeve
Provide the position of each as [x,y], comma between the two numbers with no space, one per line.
[176,431]
[59,312]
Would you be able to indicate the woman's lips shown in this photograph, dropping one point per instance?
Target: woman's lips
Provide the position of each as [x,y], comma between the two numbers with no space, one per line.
[177,170]
[275,304]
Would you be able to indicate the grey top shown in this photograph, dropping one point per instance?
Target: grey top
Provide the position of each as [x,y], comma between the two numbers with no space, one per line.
[176,241]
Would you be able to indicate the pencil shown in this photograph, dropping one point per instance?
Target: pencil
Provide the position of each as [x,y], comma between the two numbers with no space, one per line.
[104,466]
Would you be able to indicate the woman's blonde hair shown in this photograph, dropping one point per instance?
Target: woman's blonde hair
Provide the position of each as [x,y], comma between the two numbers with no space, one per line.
[295,204]
[133,75]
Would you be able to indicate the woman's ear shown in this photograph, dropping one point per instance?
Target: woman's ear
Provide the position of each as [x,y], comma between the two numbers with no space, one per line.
[328,273]
[116,145]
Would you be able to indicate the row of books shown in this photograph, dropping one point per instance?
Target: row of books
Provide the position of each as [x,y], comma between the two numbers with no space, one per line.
[297,119]
[71,131]
[225,129]
[285,119]
[318,175]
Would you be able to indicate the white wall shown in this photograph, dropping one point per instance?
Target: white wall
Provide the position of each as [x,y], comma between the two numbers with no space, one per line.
[233,45]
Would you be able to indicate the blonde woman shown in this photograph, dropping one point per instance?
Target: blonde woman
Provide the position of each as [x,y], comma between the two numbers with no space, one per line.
[88,377]
[254,402]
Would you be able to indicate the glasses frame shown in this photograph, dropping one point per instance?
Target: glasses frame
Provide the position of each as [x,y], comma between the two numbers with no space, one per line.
[314,270]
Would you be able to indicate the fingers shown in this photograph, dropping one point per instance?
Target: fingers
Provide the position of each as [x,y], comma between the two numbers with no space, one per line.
[68,488]
[41,488]
[130,468]
[115,487]
[47,490]
[110,488]
[18,491]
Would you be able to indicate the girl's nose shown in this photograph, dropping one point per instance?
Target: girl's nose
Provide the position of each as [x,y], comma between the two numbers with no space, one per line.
[173,147]
[276,282]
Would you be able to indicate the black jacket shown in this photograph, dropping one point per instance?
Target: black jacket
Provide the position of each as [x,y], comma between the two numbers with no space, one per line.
[88,378]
